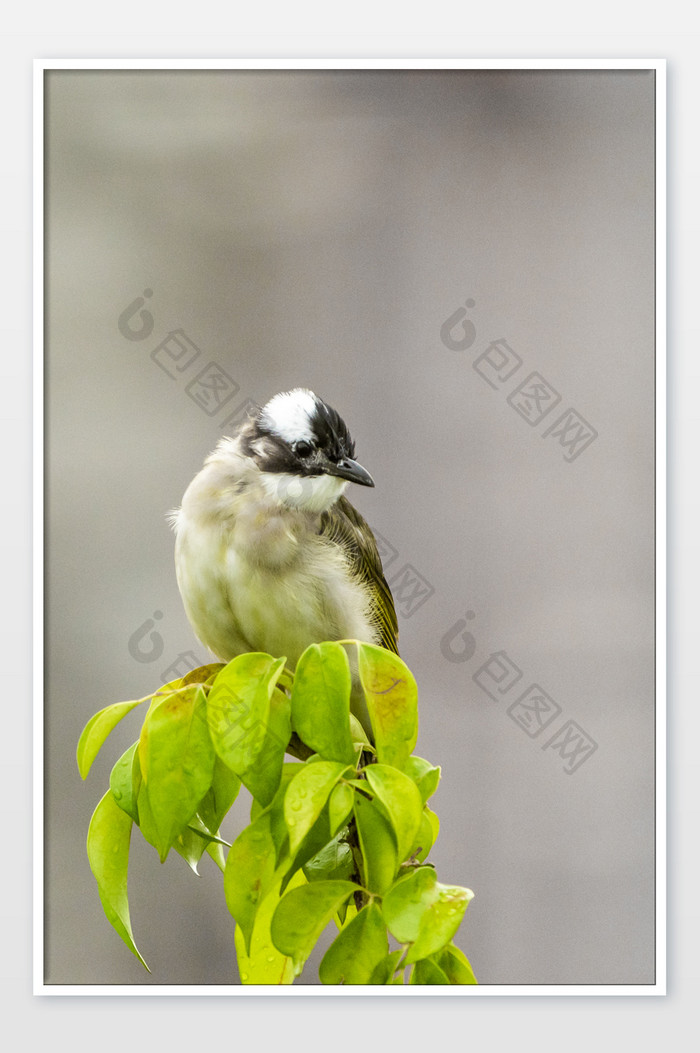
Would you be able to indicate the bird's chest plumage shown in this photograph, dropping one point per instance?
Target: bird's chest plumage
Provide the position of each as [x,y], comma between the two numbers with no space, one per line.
[265,580]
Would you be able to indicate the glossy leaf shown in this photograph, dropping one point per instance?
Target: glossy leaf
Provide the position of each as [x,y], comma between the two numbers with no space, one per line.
[265,964]
[420,911]
[427,972]
[176,756]
[302,915]
[425,775]
[97,730]
[377,844]
[238,708]
[321,702]
[356,950]
[401,798]
[340,805]
[455,965]
[306,795]
[125,780]
[108,840]
[391,695]
[249,874]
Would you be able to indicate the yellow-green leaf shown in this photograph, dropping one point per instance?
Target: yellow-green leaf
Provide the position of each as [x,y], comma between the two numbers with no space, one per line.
[238,708]
[125,780]
[96,731]
[265,964]
[176,756]
[420,911]
[427,972]
[303,913]
[357,949]
[249,874]
[377,844]
[306,795]
[391,695]
[339,805]
[403,803]
[455,965]
[321,702]
[108,840]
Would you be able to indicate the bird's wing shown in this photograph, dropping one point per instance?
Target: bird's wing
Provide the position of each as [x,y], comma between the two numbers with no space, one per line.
[344,525]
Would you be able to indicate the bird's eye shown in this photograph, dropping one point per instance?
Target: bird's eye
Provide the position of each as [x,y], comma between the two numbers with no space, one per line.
[303,449]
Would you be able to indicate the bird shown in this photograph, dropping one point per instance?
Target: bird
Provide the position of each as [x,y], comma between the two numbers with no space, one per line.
[270,555]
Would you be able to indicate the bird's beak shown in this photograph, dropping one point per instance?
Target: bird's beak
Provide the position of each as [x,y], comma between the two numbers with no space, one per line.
[349,469]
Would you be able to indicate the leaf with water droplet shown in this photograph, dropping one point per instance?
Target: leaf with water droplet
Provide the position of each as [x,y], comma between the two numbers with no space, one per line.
[265,964]
[108,840]
[125,780]
[306,795]
[249,874]
[420,911]
[303,913]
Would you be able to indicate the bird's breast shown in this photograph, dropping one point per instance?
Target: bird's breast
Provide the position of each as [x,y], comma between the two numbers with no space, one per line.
[268,582]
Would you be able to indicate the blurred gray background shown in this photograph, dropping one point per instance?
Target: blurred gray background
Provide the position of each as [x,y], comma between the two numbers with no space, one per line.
[318,228]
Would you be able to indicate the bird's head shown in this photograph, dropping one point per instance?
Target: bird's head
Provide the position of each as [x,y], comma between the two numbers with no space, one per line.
[304,451]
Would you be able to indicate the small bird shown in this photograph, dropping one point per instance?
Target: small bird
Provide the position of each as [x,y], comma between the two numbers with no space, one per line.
[270,556]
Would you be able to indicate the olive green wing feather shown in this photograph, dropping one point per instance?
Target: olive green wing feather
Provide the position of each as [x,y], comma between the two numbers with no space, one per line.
[344,525]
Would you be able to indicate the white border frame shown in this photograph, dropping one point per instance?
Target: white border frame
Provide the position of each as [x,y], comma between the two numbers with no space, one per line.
[41,66]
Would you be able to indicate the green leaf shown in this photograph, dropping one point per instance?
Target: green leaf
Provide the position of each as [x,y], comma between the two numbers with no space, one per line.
[96,731]
[424,839]
[265,964]
[358,733]
[321,702]
[249,874]
[108,840]
[333,862]
[202,674]
[377,844]
[392,701]
[427,972]
[216,803]
[455,965]
[302,915]
[263,778]
[383,972]
[125,780]
[306,795]
[191,845]
[401,798]
[420,911]
[176,756]
[356,950]
[339,805]
[425,775]
[242,729]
